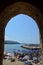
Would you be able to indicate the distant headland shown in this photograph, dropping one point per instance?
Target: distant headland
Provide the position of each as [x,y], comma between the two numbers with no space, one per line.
[11,42]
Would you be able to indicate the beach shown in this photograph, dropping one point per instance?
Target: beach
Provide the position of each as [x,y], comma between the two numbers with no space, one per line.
[16,55]
[8,62]
[15,61]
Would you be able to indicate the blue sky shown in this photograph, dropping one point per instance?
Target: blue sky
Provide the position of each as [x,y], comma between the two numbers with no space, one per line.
[22,28]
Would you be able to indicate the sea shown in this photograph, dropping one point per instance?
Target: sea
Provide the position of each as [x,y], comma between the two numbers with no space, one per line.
[16,47]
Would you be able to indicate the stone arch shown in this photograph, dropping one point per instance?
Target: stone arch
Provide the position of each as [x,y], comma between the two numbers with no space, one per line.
[14,9]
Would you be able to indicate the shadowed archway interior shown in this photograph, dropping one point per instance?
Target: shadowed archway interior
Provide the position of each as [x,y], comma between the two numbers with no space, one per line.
[14,9]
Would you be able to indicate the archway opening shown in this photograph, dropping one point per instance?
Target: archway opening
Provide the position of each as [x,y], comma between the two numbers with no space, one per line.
[21,29]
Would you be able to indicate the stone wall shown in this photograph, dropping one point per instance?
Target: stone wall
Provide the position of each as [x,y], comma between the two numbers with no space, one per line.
[13,10]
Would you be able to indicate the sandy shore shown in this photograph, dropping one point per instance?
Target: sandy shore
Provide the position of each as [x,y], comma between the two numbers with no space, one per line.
[8,62]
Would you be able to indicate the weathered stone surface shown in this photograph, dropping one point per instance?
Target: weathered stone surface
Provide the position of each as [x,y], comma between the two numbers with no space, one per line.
[13,10]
